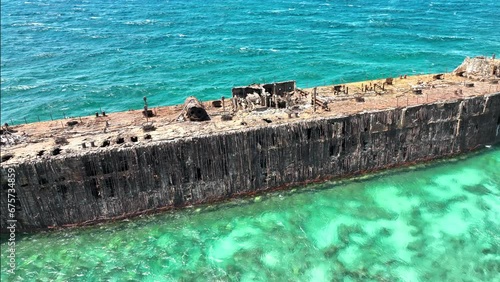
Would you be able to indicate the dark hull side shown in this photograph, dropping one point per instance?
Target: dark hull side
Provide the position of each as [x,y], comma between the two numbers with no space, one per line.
[122,182]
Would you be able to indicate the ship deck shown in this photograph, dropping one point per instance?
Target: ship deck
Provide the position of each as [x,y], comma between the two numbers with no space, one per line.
[56,139]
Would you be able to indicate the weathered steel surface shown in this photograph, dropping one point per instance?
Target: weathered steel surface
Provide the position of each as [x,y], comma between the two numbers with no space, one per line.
[119,182]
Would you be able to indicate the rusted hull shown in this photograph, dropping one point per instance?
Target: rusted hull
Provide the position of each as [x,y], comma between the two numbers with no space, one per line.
[124,182]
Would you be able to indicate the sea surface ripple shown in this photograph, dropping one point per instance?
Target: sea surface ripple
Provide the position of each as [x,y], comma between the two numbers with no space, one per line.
[74,57]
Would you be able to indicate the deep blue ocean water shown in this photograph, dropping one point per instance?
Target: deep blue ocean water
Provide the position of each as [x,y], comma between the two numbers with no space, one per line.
[74,57]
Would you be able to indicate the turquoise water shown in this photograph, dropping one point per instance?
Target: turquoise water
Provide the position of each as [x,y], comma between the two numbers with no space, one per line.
[434,223]
[75,57]
[438,222]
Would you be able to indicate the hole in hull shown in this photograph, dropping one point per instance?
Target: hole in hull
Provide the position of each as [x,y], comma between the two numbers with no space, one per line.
[105,143]
[56,151]
[7,157]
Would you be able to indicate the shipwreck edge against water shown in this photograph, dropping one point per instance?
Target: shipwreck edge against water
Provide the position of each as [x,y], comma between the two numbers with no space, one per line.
[262,147]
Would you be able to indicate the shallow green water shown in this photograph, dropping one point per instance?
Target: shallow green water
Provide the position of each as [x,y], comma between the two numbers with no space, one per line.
[438,222]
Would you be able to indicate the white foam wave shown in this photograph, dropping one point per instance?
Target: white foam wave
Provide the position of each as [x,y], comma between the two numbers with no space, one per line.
[141,22]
